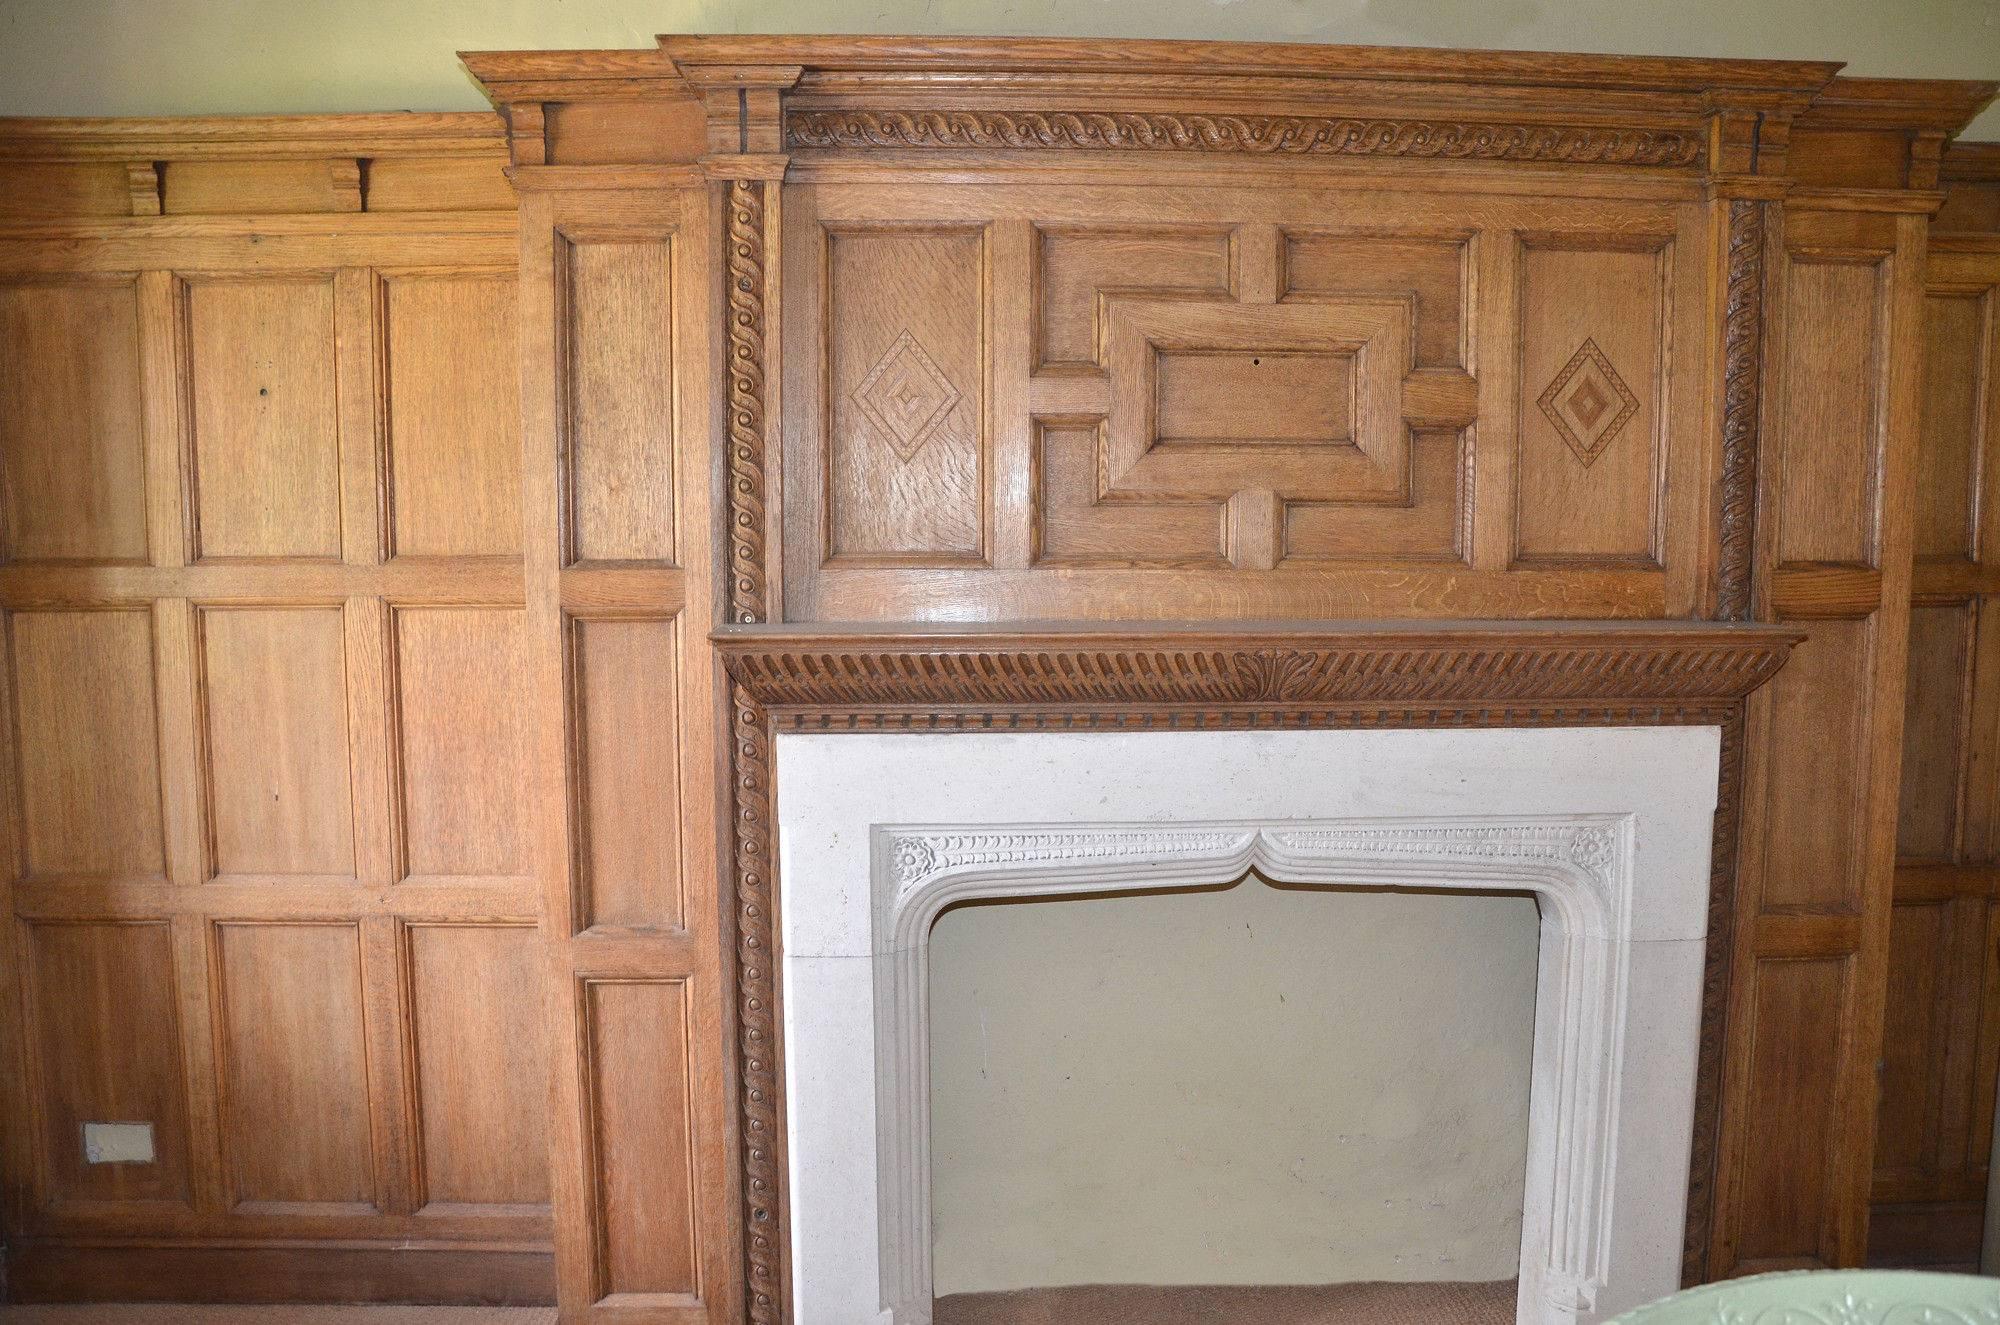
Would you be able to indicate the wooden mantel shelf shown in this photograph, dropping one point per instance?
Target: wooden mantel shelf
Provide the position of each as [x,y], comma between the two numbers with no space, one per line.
[1224,667]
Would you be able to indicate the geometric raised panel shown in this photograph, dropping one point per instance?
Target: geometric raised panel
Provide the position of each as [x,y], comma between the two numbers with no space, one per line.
[1593,365]
[1588,402]
[619,365]
[1076,268]
[1429,272]
[906,396]
[905,337]
[460,674]
[89,748]
[294,1065]
[1433,525]
[266,446]
[274,723]
[1303,400]
[482,1095]
[454,420]
[72,456]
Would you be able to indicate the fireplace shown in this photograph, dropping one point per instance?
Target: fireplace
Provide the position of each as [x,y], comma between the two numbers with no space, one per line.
[1610,828]
[881,773]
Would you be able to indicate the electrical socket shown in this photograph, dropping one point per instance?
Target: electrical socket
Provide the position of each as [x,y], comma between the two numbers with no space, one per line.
[118,1143]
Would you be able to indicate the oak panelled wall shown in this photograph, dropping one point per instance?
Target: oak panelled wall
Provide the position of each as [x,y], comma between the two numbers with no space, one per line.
[269,887]
[383,826]
[1942,1030]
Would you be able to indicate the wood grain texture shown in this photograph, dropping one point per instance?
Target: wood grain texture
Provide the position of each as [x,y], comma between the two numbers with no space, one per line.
[517,573]
[200,687]
[71,448]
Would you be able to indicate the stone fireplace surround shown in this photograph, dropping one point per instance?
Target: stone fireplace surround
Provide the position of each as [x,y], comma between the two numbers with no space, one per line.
[1610,828]
[1610,1189]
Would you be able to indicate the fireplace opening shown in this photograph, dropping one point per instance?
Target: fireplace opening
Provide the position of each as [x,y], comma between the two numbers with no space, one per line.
[1256,1101]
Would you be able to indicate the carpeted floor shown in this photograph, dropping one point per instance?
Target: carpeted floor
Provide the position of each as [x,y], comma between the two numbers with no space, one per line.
[161,1314]
[1332,1304]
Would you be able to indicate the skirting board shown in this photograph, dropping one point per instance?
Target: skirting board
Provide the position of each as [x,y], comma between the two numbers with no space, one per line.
[70,1272]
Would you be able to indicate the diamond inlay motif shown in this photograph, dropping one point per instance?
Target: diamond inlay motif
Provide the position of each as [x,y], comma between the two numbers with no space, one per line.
[906,396]
[1588,402]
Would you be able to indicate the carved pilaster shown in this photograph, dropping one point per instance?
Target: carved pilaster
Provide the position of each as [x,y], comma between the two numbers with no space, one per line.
[1742,377]
[756,1020]
[748,600]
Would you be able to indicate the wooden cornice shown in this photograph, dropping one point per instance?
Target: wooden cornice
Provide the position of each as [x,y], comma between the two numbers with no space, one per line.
[1090,61]
[1220,667]
[258,137]
[1971,163]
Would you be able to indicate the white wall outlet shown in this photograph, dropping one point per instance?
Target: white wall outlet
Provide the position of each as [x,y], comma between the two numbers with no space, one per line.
[118,1143]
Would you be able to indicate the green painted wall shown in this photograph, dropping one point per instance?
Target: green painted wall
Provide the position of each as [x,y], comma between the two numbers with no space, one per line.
[180,57]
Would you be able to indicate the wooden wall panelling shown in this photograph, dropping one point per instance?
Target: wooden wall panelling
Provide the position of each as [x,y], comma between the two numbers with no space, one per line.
[232,711]
[1942,1017]
[618,495]
[1835,514]
[1012,404]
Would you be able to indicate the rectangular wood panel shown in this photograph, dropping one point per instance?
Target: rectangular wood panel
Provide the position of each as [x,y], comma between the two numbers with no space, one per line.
[628,772]
[459,675]
[89,744]
[477,1057]
[1814,861]
[265,444]
[1934,713]
[107,1048]
[72,454]
[620,369]
[292,1048]
[906,415]
[274,727]
[1912,1051]
[1828,426]
[1593,383]
[454,415]
[636,1032]
[1798,1006]
[1957,332]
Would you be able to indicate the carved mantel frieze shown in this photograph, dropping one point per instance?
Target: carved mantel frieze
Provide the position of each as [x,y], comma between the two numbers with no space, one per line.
[1215,670]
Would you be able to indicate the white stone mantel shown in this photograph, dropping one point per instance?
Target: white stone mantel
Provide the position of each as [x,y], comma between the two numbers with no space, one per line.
[1609,827]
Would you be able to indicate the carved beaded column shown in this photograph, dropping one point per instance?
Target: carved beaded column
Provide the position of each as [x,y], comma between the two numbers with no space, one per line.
[745,134]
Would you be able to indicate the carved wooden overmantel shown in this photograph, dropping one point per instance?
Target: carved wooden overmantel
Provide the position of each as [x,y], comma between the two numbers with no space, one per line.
[1165,338]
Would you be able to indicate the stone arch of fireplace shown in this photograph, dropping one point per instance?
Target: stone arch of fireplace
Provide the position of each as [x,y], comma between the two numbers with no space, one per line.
[1579,867]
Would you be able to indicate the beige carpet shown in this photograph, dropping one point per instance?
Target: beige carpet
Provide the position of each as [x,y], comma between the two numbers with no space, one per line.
[1332,1304]
[262,1315]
